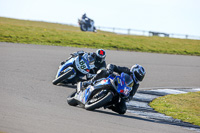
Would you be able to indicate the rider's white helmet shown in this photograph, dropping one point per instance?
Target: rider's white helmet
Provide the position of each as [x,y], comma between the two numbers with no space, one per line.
[138,72]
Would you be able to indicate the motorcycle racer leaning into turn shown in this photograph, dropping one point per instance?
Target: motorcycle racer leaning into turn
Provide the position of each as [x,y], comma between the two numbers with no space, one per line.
[99,63]
[137,73]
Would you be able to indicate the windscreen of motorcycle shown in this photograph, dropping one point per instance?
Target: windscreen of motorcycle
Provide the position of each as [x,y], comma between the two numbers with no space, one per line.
[121,87]
[82,65]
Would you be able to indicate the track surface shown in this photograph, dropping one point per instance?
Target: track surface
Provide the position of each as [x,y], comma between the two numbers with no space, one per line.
[29,103]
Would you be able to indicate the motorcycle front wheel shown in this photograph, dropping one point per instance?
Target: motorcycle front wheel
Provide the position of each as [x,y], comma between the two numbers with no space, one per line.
[83,27]
[71,101]
[100,101]
[62,77]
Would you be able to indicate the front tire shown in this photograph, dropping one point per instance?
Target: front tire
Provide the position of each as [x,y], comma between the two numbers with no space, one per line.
[99,102]
[62,77]
[71,101]
[83,27]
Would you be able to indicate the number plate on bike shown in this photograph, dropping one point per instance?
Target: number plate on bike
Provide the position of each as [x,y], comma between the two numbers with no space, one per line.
[81,66]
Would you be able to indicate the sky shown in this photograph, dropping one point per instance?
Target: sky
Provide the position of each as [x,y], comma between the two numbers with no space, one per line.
[169,16]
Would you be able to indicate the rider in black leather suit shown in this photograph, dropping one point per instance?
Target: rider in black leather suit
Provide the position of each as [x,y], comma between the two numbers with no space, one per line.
[136,71]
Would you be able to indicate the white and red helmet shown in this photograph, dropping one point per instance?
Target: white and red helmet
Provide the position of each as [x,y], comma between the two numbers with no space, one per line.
[101,55]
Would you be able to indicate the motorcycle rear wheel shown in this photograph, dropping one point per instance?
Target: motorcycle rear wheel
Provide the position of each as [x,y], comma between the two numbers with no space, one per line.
[62,77]
[99,102]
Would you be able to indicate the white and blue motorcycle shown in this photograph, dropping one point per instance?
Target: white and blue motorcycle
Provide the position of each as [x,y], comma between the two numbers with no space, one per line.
[74,69]
[102,93]
[87,25]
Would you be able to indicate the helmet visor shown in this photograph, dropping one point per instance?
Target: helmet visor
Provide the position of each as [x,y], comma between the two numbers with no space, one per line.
[139,76]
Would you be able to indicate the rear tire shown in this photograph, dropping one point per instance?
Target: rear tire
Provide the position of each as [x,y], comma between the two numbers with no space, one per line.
[94,30]
[71,101]
[62,77]
[100,102]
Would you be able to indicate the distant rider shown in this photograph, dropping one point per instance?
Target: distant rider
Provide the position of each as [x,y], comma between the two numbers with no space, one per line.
[84,16]
[87,20]
[137,72]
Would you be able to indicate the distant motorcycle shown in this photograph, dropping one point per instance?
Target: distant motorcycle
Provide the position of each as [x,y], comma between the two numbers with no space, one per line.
[74,69]
[101,94]
[87,25]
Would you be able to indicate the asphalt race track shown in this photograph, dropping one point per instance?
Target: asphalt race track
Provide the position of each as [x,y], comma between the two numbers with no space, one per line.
[29,103]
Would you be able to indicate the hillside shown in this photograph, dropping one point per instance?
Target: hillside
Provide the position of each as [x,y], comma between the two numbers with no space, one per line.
[43,33]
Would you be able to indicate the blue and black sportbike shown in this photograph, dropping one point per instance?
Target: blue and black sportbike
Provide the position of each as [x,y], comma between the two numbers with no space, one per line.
[102,93]
[74,69]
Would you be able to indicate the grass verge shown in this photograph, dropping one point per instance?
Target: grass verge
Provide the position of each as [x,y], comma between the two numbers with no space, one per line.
[185,107]
[43,33]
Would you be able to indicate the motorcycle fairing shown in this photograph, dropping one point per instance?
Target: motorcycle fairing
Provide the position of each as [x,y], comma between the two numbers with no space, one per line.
[82,65]
[121,86]
[83,96]
[90,88]
[64,66]
[105,81]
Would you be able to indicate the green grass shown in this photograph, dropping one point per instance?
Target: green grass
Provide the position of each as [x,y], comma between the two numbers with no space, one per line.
[43,33]
[185,107]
